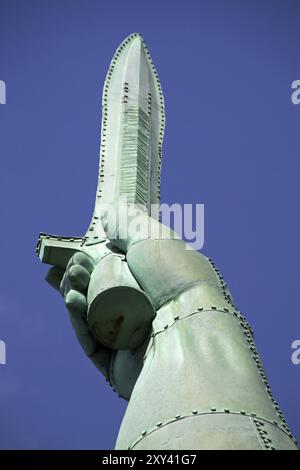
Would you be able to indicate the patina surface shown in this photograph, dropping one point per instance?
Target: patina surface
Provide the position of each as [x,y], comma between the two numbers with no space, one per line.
[157,319]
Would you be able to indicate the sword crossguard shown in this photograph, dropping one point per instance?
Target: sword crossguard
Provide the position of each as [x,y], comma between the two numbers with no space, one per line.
[57,250]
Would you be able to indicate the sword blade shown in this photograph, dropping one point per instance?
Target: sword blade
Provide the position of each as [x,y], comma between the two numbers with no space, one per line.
[133,121]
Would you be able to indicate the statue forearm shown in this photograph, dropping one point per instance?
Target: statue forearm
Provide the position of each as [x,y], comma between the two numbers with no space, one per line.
[201,364]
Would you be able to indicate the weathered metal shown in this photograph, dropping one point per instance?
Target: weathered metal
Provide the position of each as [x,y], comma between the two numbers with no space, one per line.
[191,373]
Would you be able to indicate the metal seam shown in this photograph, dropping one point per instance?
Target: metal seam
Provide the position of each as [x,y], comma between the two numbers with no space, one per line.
[223,285]
[160,424]
[213,308]
[255,356]
[263,435]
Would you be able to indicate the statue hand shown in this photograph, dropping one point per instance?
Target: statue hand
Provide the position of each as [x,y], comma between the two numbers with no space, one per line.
[120,368]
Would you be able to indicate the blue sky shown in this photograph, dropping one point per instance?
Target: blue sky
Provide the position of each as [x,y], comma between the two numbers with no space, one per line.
[232,143]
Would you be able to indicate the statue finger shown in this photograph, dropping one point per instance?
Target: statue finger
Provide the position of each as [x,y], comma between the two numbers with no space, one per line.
[54,277]
[65,285]
[76,302]
[79,278]
[101,358]
[83,260]
[77,307]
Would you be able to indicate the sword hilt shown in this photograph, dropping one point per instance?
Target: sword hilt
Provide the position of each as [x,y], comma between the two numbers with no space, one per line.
[119,312]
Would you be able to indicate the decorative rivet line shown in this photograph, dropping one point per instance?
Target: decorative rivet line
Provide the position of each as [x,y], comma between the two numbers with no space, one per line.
[223,285]
[259,424]
[248,332]
[203,309]
[263,435]
[200,309]
[256,358]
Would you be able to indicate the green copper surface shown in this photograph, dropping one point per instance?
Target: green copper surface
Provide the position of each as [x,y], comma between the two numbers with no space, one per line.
[157,318]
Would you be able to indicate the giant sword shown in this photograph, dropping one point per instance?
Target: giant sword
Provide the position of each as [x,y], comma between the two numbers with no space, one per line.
[132,131]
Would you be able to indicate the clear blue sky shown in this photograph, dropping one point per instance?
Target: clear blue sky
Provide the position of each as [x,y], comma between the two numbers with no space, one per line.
[232,143]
